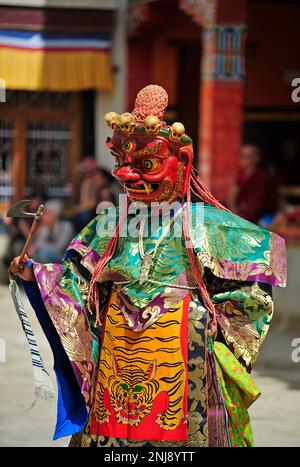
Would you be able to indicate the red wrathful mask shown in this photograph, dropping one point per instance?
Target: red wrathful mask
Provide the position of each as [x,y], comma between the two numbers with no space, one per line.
[153,161]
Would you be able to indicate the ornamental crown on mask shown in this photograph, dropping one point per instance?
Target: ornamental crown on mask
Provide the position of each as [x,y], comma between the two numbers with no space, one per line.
[153,161]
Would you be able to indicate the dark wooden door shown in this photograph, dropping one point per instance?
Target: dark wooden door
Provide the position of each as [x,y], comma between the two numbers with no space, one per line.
[189,89]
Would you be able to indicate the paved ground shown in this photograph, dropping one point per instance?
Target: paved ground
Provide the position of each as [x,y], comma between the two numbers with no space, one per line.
[276,415]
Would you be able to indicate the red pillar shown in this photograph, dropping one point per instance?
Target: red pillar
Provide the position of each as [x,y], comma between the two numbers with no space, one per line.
[221,117]
[222,96]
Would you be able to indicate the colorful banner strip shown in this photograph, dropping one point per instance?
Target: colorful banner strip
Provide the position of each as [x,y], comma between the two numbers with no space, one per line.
[52,41]
[39,61]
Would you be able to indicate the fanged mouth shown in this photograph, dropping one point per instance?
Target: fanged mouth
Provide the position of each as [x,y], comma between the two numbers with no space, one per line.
[131,415]
[141,187]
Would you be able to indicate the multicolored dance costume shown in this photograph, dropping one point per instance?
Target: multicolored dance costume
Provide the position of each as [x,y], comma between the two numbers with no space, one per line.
[154,335]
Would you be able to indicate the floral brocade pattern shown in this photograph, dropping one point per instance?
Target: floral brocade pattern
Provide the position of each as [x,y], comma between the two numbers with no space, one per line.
[236,249]
[230,246]
[239,392]
[244,317]
[64,296]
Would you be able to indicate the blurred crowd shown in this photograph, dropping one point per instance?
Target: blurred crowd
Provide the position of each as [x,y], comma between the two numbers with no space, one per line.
[61,221]
[256,195]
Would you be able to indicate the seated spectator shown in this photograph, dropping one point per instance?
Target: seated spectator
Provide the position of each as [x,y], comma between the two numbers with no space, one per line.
[255,193]
[53,235]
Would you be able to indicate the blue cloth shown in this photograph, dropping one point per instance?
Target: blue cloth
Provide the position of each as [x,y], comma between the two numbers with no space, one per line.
[71,409]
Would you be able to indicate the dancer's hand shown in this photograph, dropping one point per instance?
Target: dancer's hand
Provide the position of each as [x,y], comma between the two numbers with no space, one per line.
[19,269]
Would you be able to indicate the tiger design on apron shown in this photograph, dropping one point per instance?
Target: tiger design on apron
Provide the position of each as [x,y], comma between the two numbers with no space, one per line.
[141,388]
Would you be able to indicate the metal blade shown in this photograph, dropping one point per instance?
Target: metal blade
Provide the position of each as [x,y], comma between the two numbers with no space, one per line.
[17,209]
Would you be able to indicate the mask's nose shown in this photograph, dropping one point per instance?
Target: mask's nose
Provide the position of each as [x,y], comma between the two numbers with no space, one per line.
[127,174]
[131,406]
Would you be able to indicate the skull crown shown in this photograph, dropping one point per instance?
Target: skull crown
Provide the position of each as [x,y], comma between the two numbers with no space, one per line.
[152,124]
[177,131]
[112,120]
[128,123]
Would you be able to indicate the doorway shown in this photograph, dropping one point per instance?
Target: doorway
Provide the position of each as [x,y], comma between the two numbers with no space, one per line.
[39,144]
[189,63]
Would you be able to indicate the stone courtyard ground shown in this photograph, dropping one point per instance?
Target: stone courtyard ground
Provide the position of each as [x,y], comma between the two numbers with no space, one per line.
[275,416]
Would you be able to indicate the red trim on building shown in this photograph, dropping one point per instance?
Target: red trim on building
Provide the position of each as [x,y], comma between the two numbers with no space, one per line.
[56,19]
